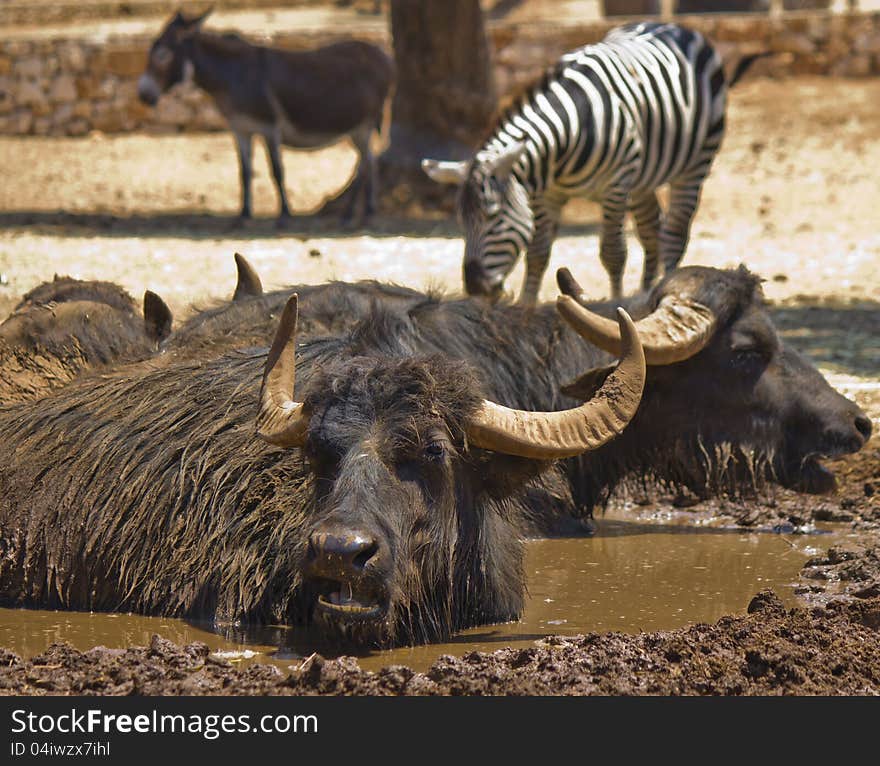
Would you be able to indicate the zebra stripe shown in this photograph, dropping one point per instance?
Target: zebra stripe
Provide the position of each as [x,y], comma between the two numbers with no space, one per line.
[611,122]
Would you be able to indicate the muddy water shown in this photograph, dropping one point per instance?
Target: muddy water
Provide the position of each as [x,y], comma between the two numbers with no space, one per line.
[630,577]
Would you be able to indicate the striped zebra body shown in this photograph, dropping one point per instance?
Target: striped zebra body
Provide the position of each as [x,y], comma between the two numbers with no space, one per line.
[610,122]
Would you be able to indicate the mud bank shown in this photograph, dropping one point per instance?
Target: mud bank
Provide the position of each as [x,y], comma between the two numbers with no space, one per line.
[824,650]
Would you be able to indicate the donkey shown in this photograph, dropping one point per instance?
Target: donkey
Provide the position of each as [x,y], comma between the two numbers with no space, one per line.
[302,99]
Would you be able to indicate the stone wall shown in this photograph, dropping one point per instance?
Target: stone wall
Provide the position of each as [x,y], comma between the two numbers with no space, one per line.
[73,86]
[842,45]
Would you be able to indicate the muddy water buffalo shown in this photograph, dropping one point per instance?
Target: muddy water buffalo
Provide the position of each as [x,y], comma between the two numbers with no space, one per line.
[386,505]
[301,99]
[727,404]
[63,328]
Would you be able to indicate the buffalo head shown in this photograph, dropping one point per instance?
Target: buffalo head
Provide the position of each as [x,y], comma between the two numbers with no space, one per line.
[412,530]
[727,403]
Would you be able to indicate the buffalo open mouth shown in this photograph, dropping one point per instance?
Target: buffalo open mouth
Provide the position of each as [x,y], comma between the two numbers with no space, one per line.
[351,601]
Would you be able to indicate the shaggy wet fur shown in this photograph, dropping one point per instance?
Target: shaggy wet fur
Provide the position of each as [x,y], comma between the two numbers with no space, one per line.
[64,289]
[61,329]
[251,320]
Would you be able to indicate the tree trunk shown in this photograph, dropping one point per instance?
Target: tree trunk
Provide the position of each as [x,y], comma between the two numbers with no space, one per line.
[444,98]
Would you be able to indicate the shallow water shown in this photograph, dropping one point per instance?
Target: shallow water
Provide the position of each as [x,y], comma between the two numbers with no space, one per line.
[630,577]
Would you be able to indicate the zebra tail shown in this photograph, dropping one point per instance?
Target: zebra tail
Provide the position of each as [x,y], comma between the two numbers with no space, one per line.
[743,64]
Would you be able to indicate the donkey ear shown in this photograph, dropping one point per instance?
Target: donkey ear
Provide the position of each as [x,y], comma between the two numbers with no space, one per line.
[198,20]
[587,384]
[502,165]
[248,284]
[190,25]
[157,317]
[445,172]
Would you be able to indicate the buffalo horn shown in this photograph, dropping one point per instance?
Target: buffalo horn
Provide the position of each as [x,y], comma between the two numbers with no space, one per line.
[281,420]
[676,330]
[552,435]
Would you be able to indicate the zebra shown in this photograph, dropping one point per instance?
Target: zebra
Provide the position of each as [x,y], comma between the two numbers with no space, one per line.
[611,122]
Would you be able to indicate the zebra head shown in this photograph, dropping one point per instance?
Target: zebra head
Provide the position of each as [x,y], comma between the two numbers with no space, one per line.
[494,208]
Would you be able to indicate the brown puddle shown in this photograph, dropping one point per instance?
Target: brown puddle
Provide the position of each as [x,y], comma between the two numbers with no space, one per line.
[631,577]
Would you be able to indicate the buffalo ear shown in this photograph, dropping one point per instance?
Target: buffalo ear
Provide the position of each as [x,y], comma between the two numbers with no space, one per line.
[587,384]
[157,317]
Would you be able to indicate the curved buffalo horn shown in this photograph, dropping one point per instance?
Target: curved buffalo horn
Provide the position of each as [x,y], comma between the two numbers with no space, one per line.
[552,435]
[248,282]
[676,330]
[281,420]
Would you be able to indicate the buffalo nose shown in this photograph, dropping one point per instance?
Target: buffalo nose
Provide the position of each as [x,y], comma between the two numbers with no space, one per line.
[341,552]
[863,426]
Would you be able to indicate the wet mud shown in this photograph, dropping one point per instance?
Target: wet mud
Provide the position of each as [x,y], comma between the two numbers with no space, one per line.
[823,650]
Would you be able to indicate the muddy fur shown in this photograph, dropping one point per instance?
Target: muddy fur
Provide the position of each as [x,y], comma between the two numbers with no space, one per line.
[251,320]
[63,328]
[63,289]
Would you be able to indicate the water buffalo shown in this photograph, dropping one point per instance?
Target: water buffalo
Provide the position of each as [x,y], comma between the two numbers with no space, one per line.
[727,404]
[688,433]
[62,328]
[302,99]
[386,505]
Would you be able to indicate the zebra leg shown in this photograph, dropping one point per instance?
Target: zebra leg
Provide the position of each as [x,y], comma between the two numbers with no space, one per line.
[646,211]
[612,244]
[684,194]
[243,146]
[538,253]
[273,145]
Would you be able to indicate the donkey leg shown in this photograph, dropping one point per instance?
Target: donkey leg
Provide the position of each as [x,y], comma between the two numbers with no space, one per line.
[273,145]
[646,211]
[243,145]
[370,185]
[612,245]
[363,186]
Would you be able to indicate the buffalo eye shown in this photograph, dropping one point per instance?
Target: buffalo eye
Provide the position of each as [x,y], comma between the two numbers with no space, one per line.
[435,450]
[749,358]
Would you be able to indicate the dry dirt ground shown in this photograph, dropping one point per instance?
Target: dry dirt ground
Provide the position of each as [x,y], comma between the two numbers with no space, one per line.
[794,195]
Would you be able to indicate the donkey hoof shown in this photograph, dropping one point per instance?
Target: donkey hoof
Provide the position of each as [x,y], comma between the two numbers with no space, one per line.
[240,222]
[284,221]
